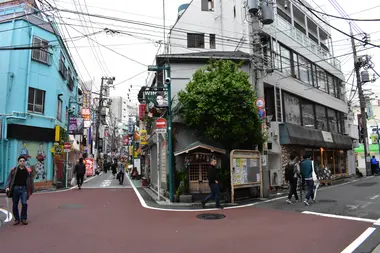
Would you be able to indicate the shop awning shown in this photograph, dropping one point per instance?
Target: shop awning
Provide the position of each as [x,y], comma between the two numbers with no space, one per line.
[297,135]
[199,145]
[291,134]
[342,141]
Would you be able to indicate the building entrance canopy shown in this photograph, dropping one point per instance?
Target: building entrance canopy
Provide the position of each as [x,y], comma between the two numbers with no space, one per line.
[291,134]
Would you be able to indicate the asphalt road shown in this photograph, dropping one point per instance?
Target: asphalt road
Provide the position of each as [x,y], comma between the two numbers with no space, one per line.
[104,218]
[357,199]
[106,180]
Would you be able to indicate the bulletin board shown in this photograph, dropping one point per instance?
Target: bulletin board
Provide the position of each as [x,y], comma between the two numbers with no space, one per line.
[246,170]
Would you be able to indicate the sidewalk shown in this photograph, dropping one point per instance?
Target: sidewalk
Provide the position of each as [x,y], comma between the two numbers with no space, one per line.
[150,197]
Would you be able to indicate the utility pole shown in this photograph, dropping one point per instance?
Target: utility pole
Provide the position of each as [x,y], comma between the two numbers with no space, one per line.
[362,102]
[261,12]
[100,106]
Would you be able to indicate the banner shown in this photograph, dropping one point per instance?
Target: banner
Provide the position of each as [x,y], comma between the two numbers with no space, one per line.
[157,99]
[76,126]
[143,137]
[142,109]
[89,162]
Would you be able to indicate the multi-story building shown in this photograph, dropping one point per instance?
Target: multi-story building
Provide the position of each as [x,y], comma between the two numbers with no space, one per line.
[304,88]
[36,87]
[120,109]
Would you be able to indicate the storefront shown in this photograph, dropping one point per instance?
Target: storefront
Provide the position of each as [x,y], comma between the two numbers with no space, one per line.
[328,150]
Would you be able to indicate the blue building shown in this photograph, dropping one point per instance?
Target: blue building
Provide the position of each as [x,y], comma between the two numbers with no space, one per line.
[35,88]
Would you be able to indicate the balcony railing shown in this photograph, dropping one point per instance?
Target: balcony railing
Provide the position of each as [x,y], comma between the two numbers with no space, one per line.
[300,37]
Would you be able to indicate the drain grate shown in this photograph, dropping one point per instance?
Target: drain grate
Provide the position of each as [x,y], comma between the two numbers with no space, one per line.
[211,216]
[366,184]
[70,206]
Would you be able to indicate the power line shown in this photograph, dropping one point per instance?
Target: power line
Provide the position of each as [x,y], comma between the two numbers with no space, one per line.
[368,43]
[344,18]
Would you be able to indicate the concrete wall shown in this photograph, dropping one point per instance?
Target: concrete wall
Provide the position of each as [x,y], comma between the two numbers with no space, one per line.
[229,30]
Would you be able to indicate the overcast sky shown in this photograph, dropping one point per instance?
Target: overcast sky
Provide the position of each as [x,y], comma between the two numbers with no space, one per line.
[126,53]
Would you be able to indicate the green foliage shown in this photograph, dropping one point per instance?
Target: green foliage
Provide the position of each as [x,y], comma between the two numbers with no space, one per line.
[183,187]
[219,102]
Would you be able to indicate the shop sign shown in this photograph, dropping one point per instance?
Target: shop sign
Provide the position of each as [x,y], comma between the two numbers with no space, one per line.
[143,137]
[327,137]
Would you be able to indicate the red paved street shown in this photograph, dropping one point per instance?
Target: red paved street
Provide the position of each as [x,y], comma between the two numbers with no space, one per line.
[112,220]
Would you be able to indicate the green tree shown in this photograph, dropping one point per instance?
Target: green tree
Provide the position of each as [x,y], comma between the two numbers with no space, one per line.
[219,102]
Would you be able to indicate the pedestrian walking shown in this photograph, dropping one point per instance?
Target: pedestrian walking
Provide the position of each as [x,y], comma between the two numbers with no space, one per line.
[373,165]
[213,182]
[121,174]
[307,175]
[20,187]
[79,171]
[292,172]
[106,166]
[114,168]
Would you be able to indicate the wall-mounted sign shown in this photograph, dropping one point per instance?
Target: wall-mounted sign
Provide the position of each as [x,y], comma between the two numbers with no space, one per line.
[143,137]
[156,99]
[76,126]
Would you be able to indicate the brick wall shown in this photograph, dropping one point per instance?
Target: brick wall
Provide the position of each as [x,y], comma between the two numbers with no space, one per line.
[286,151]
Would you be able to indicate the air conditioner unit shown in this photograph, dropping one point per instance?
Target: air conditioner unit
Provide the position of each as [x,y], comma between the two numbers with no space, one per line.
[275,177]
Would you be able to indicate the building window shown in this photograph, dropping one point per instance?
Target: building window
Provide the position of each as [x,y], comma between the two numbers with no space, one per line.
[320,112]
[62,67]
[212,41]
[36,100]
[340,121]
[285,61]
[70,82]
[59,110]
[308,114]
[41,55]
[292,109]
[322,79]
[304,69]
[331,84]
[195,40]
[207,5]
[332,119]
[234,11]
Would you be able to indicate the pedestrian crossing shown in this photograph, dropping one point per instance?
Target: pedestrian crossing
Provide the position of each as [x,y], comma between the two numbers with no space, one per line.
[106,181]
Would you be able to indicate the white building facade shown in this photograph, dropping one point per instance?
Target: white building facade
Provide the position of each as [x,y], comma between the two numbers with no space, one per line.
[304,90]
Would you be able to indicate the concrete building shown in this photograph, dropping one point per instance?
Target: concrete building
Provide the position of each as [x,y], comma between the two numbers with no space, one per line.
[304,90]
[36,87]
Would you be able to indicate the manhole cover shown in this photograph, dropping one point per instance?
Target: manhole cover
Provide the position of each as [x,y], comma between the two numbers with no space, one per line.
[211,216]
[70,206]
[366,184]
[326,200]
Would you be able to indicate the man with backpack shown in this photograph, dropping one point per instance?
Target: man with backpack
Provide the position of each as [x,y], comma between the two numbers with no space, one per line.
[307,175]
[292,171]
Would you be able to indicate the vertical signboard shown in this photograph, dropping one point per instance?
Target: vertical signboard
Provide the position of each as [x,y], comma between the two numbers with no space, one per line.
[89,166]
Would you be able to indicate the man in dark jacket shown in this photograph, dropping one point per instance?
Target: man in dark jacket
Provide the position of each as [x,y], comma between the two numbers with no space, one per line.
[79,171]
[307,175]
[212,176]
[20,186]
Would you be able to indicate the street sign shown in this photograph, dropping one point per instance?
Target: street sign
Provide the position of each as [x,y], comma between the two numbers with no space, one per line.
[261,113]
[260,103]
[153,68]
[161,123]
[67,147]
[161,130]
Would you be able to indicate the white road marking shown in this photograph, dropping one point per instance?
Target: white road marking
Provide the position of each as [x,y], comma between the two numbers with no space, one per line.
[375,197]
[352,207]
[351,248]
[377,223]
[341,217]
[365,205]
[145,205]
[8,214]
